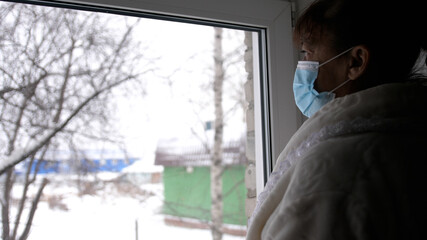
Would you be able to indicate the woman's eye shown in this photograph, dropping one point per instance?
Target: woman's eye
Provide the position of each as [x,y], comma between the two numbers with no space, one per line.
[304,54]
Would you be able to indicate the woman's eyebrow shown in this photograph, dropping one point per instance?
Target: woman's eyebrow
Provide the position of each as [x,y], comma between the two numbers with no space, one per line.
[307,46]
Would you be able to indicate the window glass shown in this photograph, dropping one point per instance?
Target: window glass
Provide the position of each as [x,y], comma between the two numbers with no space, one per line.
[128,127]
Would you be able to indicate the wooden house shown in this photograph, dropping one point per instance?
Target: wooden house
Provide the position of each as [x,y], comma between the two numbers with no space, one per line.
[186,180]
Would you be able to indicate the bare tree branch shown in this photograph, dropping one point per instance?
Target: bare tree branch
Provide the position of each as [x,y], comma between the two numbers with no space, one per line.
[20,155]
[27,182]
[5,205]
[33,209]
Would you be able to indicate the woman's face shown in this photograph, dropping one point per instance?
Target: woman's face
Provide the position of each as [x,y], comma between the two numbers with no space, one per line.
[318,48]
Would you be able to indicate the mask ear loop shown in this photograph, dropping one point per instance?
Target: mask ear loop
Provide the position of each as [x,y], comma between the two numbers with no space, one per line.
[337,56]
[342,84]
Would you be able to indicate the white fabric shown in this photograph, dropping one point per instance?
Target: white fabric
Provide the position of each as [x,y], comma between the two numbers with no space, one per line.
[350,171]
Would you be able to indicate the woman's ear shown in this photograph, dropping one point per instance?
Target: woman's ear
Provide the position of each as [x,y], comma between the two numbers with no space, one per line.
[358,61]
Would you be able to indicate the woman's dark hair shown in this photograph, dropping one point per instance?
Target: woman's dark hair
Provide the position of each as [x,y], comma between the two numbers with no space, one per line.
[394,33]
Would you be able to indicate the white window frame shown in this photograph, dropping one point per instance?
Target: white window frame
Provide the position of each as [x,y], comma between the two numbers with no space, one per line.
[277,117]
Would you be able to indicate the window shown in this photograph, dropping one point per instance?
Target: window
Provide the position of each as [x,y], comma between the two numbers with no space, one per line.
[261,98]
[58,60]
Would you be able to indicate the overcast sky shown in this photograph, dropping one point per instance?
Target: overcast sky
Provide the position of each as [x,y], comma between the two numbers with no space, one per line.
[185,59]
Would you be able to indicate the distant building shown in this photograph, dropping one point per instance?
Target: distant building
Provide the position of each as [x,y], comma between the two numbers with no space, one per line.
[88,161]
[186,179]
[142,172]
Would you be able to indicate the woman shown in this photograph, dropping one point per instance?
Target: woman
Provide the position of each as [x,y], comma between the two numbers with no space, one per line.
[356,168]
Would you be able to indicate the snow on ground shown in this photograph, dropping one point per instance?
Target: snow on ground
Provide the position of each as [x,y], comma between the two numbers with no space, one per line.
[108,216]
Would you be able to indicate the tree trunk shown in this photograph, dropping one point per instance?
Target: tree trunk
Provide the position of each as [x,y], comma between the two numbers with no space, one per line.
[216,166]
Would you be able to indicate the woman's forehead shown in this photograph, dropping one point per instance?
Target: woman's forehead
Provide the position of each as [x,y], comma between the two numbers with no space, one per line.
[316,39]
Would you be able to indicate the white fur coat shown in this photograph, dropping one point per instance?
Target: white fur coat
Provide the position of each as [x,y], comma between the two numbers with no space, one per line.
[354,170]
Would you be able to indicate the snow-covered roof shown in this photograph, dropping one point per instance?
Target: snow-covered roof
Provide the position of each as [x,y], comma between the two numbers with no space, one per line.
[175,152]
[143,166]
[92,154]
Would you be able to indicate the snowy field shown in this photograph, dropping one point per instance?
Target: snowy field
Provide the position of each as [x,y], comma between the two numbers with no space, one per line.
[110,214]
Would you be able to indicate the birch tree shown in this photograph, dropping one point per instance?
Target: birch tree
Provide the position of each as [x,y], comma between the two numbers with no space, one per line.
[224,61]
[216,165]
[58,68]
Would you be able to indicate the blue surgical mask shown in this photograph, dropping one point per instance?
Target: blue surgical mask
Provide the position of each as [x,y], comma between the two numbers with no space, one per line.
[308,100]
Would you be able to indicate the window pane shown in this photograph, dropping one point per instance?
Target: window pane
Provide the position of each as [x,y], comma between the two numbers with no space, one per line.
[133,127]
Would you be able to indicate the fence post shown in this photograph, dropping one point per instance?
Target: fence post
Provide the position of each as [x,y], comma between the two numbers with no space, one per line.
[136,229]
